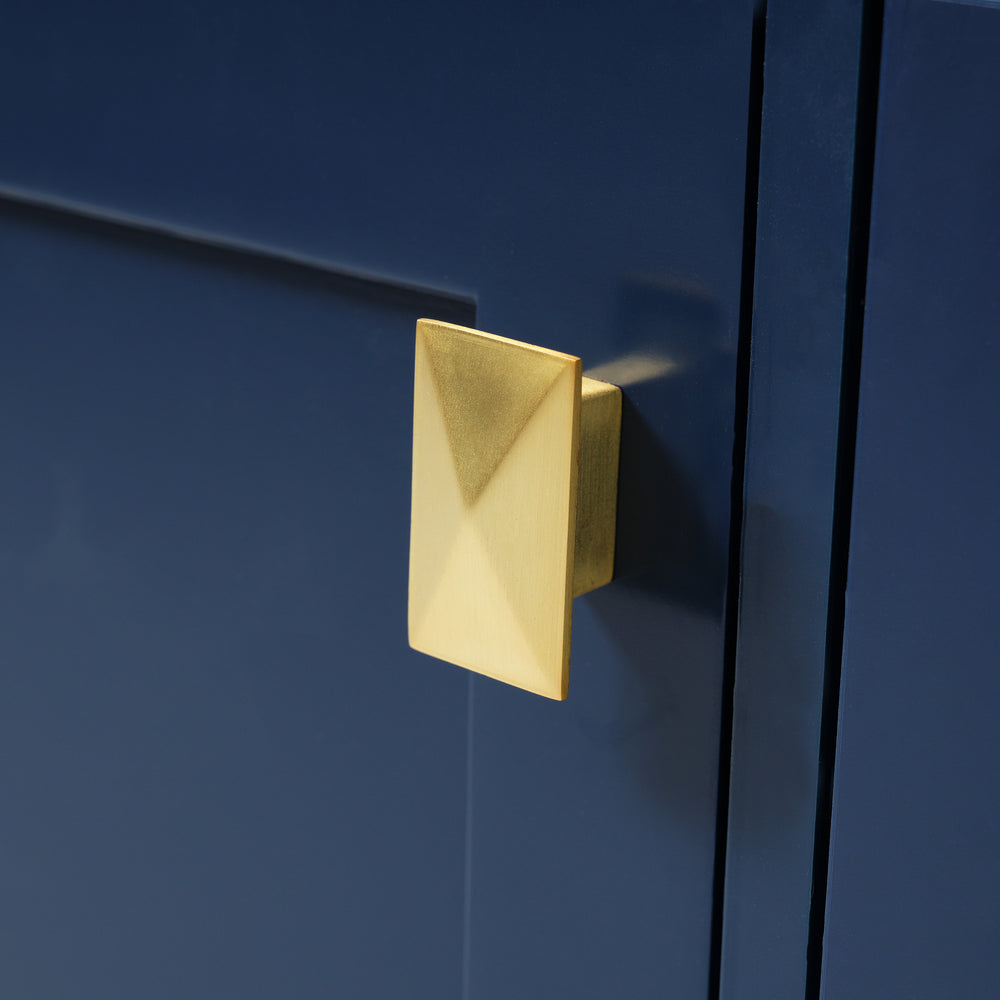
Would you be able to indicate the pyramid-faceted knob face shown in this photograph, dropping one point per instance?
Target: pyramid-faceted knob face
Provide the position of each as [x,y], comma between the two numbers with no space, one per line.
[495,453]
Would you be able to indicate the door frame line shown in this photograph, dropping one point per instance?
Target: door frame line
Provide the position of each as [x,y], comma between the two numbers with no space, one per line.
[755,111]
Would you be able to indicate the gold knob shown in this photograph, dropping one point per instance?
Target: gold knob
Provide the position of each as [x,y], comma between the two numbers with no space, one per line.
[515,481]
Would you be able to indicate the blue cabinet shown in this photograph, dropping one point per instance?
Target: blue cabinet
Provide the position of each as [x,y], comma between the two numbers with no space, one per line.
[223,772]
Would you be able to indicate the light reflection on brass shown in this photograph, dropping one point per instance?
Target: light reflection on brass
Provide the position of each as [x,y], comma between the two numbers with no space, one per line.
[515,466]
[633,369]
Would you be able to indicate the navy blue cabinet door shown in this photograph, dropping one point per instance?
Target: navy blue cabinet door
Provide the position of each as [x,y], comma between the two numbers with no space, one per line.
[223,771]
[914,867]
[220,776]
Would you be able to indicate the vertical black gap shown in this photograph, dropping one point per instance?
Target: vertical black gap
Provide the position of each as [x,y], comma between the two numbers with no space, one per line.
[850,386]
[750,197]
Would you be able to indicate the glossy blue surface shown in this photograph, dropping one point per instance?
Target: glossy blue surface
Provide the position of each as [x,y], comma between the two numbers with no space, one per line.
[580,173]
[803,235]
[914,866]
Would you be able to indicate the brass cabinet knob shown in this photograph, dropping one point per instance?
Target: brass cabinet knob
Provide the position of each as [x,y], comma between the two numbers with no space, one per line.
[515,481]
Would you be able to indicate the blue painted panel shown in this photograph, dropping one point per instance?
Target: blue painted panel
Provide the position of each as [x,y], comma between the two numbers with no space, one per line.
[219,776]
[452,144]
[803,233]
[914,866]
